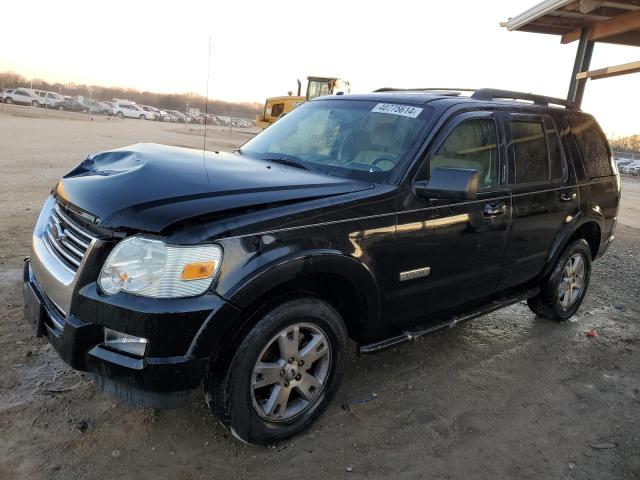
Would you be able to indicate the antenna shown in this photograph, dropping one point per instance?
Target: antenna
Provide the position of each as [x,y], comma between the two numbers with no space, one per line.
[206,100]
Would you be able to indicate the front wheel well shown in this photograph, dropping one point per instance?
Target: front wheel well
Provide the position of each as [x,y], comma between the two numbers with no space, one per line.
[334,289]
[590,231]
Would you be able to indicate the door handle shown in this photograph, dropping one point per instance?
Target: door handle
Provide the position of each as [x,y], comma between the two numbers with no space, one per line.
[493,209]
[568,196]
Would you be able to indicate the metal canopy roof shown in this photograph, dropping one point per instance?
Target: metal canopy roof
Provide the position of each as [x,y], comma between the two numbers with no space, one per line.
[616,22]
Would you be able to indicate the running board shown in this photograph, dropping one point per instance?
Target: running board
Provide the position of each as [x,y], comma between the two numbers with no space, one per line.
[410,335]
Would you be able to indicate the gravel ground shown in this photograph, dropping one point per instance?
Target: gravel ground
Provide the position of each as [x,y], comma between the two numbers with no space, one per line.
[504,396]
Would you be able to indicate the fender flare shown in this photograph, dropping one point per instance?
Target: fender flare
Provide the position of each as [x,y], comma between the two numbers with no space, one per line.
[217,329]
[311,262]
[568,231]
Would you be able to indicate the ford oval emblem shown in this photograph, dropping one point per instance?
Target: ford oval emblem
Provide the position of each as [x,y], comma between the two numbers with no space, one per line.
[58,233]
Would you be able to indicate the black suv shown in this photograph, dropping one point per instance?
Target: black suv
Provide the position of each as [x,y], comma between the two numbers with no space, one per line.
[374,217]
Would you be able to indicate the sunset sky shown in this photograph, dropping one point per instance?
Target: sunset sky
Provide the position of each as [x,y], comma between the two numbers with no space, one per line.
[259,49]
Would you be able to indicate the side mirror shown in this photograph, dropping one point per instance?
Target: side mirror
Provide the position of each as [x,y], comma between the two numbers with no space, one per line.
[449,184]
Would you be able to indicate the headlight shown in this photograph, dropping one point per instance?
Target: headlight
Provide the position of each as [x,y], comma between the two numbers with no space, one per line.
[151,268]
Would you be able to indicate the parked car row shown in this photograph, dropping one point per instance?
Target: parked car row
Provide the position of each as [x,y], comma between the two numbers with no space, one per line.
[41,98]
[121,108]
[210,119]
[627,166]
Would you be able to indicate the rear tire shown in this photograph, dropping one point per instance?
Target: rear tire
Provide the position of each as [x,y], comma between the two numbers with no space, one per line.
[562,292]
[277,380]
[35,103]
[120,115]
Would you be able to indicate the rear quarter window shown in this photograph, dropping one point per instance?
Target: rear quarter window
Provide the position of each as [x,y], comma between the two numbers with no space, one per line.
[592,146]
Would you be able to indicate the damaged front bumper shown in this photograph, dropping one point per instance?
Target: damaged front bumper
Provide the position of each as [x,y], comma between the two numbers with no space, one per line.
[177,357]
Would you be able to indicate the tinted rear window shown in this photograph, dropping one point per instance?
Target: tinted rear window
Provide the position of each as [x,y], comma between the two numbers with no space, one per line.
[592,146]
[530,151]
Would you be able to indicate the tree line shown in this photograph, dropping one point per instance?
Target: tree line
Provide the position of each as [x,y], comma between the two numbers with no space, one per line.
[629,144]
[167,101]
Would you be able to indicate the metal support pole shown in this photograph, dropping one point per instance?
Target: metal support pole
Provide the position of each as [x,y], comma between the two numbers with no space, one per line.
[581,64]
[585,66]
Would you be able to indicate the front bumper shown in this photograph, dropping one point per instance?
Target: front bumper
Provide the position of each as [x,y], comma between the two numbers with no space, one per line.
[181,332]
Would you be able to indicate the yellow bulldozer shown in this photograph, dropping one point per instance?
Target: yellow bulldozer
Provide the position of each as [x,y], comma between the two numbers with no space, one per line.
[276,107]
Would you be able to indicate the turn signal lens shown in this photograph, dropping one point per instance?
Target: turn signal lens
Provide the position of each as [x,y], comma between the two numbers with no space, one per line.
[198,270]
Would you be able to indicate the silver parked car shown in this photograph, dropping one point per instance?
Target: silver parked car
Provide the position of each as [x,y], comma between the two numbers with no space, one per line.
[22,96]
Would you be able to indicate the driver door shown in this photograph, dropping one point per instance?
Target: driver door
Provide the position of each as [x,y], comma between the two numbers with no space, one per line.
[449,252]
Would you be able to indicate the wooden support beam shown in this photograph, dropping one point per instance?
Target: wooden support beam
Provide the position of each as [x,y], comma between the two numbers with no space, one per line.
[614,71]
[620,24]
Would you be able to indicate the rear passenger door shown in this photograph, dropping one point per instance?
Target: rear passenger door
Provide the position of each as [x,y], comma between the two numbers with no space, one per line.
[543,195]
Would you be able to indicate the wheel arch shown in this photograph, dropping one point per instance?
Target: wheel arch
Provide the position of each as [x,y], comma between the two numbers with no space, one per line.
[341,281]
[582,226]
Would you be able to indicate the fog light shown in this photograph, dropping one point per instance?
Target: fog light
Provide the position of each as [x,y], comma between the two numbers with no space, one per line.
[125,343]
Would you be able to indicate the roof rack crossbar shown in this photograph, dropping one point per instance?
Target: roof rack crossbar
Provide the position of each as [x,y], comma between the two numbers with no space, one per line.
[493,94]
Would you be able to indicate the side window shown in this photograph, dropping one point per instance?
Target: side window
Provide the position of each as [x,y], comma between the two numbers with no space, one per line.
[21,92]
[592,146]
[529,151]
[277,109]
[472,144]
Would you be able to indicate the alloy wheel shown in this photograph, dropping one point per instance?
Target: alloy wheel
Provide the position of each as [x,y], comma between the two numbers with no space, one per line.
[290,372]
[572,282]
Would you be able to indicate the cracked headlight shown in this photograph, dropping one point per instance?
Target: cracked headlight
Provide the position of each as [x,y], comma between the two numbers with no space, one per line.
[151,268]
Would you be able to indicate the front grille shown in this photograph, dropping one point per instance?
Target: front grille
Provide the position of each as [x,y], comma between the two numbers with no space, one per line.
[67,240]
[55,314]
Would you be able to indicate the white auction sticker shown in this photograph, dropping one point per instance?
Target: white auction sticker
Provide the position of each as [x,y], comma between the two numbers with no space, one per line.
[395,109]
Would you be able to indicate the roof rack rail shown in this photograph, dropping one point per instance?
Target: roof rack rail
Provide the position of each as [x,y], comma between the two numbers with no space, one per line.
[495,94]
[490,94]
[446,90]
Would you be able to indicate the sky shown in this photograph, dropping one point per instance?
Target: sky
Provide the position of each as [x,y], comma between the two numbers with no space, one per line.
[259,49]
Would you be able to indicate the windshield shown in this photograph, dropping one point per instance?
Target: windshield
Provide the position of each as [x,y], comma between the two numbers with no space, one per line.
[356,139]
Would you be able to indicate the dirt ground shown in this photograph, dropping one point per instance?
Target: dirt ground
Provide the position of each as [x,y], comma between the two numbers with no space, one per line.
[505,396]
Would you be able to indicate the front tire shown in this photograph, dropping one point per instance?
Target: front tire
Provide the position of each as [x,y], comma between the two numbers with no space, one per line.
[562,292]
[279,378]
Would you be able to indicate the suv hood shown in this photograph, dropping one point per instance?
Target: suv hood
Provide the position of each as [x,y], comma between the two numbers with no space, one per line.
[149,187]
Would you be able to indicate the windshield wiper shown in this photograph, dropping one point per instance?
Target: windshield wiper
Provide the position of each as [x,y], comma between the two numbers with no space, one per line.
[239,151]
[290,162]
